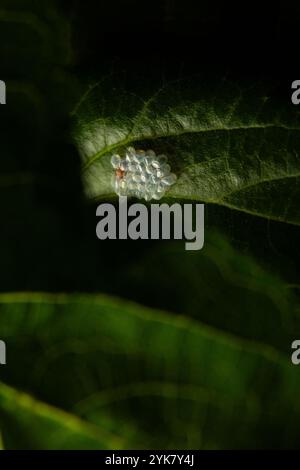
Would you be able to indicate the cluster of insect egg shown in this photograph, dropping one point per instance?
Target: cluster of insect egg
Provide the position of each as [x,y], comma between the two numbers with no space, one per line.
[142,174]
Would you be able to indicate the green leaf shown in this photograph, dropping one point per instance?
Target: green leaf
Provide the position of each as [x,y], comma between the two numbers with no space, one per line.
[231,144]
[35,51]
[32,424]
[218,286]
[154,379]
[34,37]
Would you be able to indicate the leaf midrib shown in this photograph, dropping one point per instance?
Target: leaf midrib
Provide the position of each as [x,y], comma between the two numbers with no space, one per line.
[130,141]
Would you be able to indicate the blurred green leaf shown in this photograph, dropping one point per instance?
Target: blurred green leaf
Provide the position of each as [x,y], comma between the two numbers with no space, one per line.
[35,51]
[218,286]
[28,423]
[231,144]
[34,37]
[152,378]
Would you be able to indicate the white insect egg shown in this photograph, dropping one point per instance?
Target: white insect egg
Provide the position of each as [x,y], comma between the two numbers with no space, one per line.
[169,179]
[115,161]
[142,174]
[155,164]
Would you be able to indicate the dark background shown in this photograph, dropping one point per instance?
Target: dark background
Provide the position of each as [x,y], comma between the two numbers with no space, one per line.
[237,37]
